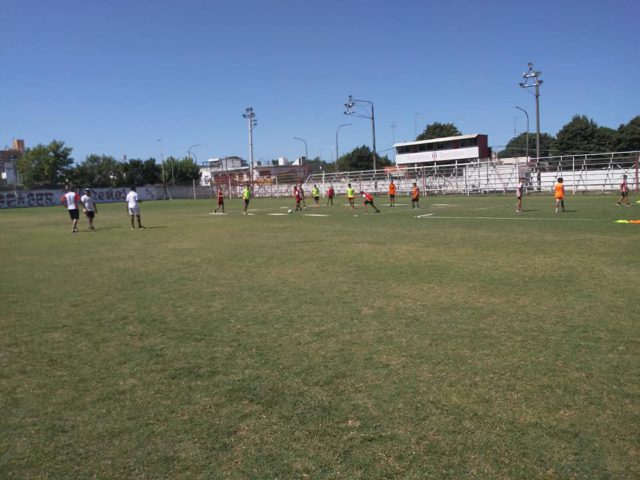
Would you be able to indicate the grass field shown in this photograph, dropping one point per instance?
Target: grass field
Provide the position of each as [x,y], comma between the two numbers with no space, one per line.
[471,343]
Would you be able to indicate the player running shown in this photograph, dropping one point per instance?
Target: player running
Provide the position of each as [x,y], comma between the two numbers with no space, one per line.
[315,193]
[367,199]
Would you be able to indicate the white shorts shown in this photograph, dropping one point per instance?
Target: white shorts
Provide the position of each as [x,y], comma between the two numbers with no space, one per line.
[134,211]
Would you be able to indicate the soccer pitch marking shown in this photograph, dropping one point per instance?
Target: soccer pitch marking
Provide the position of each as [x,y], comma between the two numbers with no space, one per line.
[553,219]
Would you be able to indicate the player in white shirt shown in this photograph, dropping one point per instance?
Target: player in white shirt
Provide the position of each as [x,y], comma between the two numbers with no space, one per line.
[133,207]
[71,200]
[90,208]
[519,194]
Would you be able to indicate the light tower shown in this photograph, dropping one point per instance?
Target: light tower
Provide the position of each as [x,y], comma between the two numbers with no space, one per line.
[350,110]
[534,75]
[250,115]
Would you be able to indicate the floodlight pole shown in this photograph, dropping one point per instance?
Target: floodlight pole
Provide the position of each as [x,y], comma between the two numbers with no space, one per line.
[531,73]
[527,147]
[164,180]
[306,149]
[337,152]
[350,111]
[252,122]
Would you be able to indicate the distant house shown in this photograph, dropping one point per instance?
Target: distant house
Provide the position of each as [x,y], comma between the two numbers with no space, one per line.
[8,159]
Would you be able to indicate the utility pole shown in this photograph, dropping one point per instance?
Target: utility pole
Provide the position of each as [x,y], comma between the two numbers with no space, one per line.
[252,122]
[534,75]
[337,152]
[350,105]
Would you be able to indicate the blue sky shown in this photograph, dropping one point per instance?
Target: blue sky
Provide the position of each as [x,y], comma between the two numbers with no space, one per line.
[114,77]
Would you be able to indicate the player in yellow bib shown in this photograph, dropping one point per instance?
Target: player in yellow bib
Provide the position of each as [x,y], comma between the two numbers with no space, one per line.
[246,196]
[351,196]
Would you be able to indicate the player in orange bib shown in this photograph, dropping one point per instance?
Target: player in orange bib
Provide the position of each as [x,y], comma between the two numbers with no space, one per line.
[392,194]
[558,189]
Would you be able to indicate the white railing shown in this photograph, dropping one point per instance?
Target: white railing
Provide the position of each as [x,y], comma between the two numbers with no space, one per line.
[581,173]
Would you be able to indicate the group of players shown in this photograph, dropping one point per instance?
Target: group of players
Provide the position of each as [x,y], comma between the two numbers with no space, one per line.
[72,201]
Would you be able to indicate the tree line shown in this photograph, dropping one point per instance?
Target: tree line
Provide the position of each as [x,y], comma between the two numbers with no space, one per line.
[51,166]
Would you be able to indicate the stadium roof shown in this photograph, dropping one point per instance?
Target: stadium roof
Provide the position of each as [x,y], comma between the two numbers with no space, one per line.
[434,140]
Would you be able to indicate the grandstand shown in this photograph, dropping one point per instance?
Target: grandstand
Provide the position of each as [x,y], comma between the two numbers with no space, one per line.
[595,173]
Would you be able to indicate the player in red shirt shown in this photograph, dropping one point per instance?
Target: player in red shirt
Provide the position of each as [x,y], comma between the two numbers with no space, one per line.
[367,199]
[330,194]
[624,192]
[220,201]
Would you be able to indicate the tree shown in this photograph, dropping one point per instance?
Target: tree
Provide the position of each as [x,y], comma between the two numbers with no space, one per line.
[360,158]
[439,130]
[185,171]
[315,165]
[517,146]
[99,171]
[139,172]
[629,136]
[46,165]
[578,136]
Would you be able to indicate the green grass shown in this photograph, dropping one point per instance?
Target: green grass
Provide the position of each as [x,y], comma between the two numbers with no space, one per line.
[475,343]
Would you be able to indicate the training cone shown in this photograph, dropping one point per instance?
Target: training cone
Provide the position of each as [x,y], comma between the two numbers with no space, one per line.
[622,221]
[637,222]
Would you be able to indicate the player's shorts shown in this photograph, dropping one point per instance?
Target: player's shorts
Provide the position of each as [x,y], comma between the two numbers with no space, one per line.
[90,214]
[368,202]
[220,202]
[74,214]
[392,195]
[519,197]
[134,211]
[624,194]
[559,198]
[316,199]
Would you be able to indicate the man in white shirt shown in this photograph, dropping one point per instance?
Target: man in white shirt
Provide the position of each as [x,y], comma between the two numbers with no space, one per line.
[133,208]
[71,199]
[89,207]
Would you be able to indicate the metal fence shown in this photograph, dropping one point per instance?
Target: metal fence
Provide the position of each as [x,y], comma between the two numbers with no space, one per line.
[581,173]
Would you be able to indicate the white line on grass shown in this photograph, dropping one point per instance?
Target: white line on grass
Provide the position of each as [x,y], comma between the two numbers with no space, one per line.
[314,215]
[519,218]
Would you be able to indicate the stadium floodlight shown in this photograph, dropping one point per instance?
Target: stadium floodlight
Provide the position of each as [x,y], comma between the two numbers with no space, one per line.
[534,76]
[350,106]
[306,150]
[250,115]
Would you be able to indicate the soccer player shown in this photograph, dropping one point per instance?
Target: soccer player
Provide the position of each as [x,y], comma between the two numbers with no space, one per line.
[330,194]
[90,208]
[624,192]
[315,193]
[301,193]
[71,200]
[220,201]
[246,197]
[415,196]
[298,198]
[367,199]
[519,193]
[351,196]
[133,207]
[392,194]
[559,193]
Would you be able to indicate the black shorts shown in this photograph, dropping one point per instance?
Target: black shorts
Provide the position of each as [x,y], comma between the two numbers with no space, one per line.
[315,199]
[90,214]
[624,194]
[392,196]
[74,214]
[368,202]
